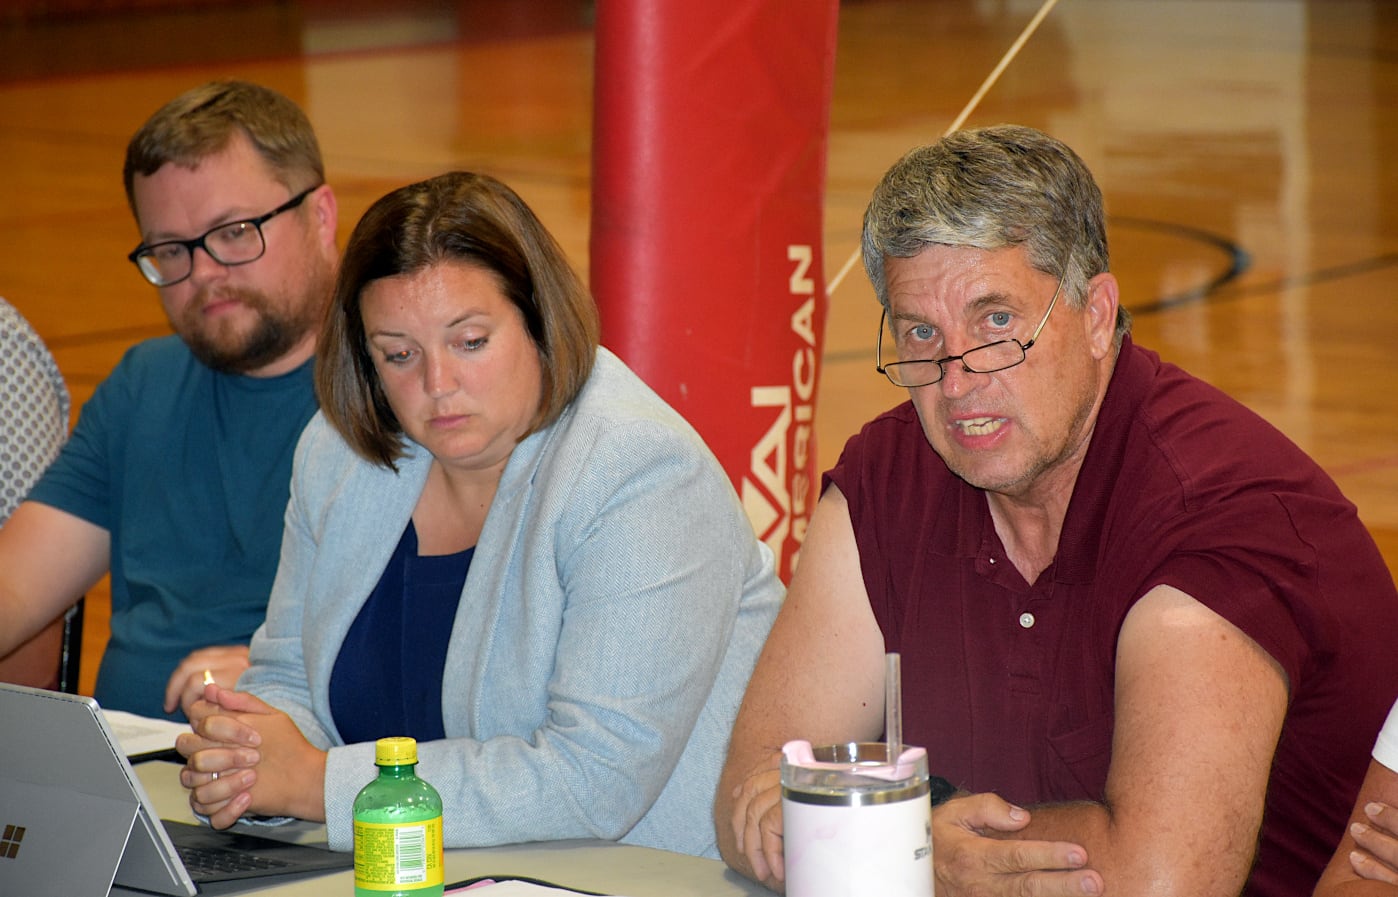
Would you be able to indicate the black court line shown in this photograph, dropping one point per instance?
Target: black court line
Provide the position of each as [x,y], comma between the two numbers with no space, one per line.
[1312,278]
[1238,262]
[1217,290]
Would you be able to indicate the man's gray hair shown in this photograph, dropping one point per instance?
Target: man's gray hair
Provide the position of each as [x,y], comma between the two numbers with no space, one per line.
[992,188]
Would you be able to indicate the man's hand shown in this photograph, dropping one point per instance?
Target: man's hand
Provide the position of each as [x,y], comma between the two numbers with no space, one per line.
[969,858]
[225,662]
[757,822]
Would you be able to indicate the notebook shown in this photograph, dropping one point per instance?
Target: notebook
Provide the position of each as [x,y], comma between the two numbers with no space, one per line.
[74,818]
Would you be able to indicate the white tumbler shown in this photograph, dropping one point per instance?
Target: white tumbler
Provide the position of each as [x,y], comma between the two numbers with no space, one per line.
[854,824]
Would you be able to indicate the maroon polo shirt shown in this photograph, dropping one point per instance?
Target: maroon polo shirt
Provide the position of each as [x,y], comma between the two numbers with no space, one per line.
[1010,685]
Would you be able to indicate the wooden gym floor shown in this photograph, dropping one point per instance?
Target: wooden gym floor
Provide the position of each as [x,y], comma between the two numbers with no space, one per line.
[1248,151]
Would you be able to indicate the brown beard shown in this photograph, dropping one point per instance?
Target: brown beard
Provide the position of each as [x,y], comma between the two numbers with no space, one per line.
[276,332]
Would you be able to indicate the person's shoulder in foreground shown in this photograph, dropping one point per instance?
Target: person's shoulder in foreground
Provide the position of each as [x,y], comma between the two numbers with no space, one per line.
[1112,585]
[34,408]
[226,186]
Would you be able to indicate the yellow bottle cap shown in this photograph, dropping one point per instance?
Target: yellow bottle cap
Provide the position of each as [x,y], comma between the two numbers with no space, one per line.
[395,751]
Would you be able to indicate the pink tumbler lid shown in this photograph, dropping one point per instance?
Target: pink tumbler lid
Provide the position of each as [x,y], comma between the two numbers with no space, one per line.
[800,753]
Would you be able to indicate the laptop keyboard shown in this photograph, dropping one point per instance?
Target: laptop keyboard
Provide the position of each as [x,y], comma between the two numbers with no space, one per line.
[205,861]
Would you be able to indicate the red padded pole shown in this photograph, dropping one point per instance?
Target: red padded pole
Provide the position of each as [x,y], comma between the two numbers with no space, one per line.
[709,149]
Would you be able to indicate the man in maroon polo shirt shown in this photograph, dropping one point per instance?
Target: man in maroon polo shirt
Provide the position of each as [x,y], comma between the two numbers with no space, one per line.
[1142,632]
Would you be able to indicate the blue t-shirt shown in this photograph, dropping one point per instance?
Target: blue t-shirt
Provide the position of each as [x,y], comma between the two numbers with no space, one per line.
[188,469]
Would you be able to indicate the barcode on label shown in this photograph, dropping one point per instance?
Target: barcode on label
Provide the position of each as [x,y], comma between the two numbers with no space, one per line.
[410,854]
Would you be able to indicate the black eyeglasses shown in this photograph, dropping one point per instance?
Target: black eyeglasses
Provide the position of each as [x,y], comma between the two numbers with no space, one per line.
[235,243]
[986,359]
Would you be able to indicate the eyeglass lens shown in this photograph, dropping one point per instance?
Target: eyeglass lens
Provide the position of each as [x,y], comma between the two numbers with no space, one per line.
[233,244]
[985,359]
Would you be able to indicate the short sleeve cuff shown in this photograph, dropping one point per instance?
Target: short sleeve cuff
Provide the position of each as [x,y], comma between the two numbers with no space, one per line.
[1386,748]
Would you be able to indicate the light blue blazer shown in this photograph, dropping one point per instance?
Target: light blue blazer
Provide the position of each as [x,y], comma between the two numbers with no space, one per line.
[612,615]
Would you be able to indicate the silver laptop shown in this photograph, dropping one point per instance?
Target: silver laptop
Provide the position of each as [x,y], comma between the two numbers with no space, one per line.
[75,820]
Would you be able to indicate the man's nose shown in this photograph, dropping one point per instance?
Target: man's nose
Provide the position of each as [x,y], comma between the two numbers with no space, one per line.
[202,264]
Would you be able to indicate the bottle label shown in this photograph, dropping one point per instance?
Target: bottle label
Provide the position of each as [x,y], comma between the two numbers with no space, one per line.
[389,856]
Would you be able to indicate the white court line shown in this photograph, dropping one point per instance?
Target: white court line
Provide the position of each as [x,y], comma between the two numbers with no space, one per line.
[971,105]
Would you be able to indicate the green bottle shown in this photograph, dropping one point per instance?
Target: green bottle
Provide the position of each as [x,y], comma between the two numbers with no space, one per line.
[397,828]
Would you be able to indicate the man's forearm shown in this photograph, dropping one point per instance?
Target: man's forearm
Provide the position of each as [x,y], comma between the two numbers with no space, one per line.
[1081,822]
[1134,858]
[18,622]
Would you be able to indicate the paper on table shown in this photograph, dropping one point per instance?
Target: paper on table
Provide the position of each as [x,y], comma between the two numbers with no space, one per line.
[141,734]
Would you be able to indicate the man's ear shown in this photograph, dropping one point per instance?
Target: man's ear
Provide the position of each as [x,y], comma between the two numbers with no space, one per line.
[326,209]
[1103,297]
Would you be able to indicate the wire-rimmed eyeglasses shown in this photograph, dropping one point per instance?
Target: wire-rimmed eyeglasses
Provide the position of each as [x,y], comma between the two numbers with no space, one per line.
[986,359]
[236,243]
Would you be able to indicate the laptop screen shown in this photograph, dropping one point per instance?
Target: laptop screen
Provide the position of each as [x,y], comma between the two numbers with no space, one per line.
[75,816]
[76,820]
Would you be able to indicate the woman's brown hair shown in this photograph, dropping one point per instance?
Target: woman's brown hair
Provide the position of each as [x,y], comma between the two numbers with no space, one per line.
[455,217]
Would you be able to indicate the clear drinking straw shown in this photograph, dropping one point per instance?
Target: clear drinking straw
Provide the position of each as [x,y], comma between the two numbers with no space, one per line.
[893,705]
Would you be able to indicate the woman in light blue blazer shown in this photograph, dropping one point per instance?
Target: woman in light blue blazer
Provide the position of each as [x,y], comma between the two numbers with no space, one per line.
[500,542]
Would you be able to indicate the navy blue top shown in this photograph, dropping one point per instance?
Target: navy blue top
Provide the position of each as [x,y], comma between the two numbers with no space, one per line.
[387,678]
